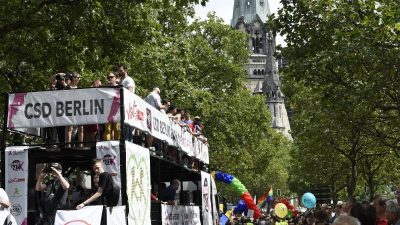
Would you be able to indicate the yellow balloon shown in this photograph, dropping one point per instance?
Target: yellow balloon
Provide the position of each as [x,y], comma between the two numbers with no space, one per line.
[280,210]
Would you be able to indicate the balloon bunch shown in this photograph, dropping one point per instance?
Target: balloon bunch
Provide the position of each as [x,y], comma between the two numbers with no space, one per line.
[240,208]
[283,208]
[240,189]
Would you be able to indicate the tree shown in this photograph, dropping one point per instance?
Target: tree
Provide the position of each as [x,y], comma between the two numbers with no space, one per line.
[244,145]
[345,54]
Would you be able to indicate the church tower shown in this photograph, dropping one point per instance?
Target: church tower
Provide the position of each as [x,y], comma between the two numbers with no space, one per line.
[250,16]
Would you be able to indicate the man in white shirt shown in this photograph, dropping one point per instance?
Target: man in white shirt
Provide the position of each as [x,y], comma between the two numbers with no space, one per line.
[154,99]
[126,81]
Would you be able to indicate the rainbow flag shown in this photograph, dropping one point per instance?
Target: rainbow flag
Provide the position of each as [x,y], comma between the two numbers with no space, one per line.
[267,197]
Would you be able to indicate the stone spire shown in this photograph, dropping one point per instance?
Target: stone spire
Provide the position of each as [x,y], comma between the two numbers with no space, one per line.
[249,9]
[272,90]
[250,16]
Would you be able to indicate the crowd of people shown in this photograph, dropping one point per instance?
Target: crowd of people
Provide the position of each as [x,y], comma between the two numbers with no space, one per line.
[87,135]
[380,211]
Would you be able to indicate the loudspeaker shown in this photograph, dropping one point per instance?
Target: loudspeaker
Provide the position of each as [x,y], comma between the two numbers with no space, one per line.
[184,198]
[197,197]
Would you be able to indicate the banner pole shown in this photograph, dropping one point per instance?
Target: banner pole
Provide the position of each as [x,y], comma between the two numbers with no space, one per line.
[3,142]
[123,155]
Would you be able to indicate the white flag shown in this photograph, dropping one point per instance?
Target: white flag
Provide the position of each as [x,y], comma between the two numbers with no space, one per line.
[88,215]
[116,215]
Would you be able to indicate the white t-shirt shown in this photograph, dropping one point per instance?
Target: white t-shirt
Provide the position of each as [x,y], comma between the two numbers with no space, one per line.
[128,82]
[154,99]
[3,197]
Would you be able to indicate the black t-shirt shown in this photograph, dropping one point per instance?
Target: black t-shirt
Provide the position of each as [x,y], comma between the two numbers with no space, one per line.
[168,194]
[52,197]
[110,194]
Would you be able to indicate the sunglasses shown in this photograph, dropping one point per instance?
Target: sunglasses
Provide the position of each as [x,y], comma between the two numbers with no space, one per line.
[110,77]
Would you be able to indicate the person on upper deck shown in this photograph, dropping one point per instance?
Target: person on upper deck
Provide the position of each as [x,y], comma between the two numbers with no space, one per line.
[125,80]
[112,131]
[154,99]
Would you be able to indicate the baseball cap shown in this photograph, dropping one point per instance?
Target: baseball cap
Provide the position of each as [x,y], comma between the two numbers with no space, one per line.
[56,165]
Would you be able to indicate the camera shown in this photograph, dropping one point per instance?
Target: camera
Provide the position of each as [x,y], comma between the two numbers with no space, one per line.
[62,77]
[47,168]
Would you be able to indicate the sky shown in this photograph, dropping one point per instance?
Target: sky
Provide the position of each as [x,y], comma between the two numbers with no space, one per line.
[224,9]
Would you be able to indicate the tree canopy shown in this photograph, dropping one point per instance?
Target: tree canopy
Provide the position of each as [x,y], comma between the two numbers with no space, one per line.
[342,81]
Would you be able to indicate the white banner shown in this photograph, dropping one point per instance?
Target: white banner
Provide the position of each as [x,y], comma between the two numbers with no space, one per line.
[66,107]
[116,215]
[138,184]
[89,215]
[206,198]
[109,153]
[201,152]
[188,215]
[147,118]
[17,182]
[214,193]
[186,143]
[159,125]
[135,110]
[97,106]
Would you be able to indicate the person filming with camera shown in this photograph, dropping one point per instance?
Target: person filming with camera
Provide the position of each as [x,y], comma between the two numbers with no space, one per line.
[61,81]
[54,187]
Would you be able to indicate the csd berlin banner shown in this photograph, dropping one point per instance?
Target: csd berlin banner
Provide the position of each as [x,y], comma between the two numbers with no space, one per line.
[17,182]
[66,107]
[89,215]
[138,184]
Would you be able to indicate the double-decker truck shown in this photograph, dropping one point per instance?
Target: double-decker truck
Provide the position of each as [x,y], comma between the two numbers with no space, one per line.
[136,169]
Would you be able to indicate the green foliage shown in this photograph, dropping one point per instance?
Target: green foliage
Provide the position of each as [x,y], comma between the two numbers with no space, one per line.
[244,144]
[341,77]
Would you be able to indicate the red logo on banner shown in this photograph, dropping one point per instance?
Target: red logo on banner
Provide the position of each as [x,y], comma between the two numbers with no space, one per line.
[17,165]
[109,159]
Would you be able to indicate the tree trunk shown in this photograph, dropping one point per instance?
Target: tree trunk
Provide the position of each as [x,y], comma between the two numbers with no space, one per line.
[351,187]
[371,186]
